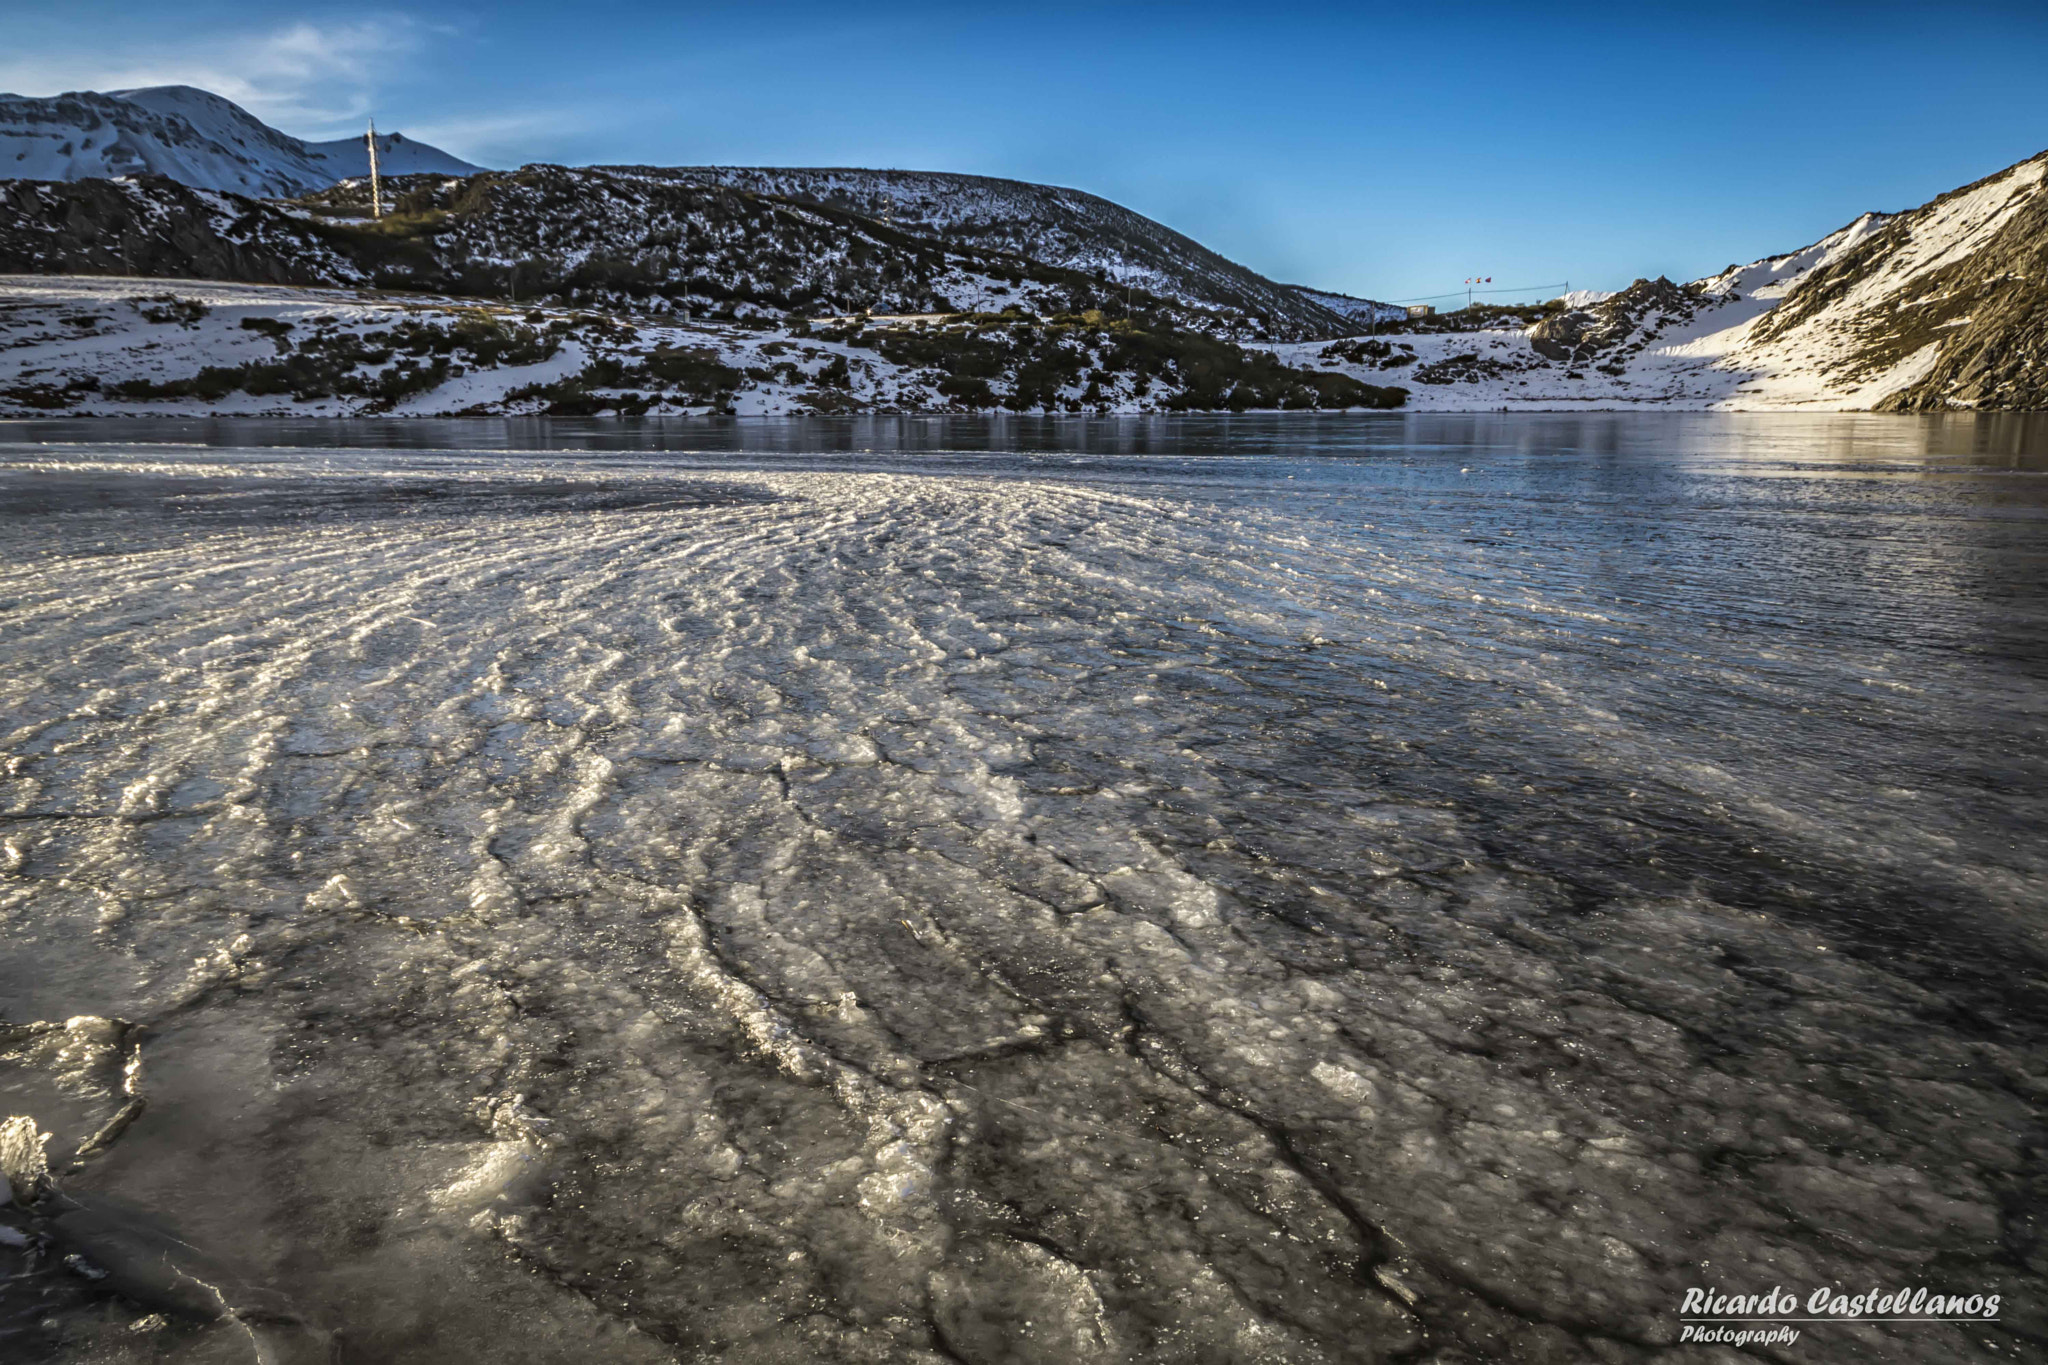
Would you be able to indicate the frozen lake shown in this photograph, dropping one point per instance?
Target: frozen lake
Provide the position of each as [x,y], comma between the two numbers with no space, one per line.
[1250,889]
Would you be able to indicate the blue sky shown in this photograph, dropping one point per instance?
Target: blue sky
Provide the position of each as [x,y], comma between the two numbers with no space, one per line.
[1388,150]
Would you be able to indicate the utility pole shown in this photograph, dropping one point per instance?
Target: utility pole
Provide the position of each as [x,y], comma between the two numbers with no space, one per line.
[376,185]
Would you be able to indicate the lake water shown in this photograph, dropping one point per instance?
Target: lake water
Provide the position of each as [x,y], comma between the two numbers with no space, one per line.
[1252,889]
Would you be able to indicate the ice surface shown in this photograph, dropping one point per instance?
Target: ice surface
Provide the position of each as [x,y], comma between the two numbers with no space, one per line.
[1426,902]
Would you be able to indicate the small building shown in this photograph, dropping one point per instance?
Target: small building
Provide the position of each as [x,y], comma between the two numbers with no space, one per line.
[1421,310]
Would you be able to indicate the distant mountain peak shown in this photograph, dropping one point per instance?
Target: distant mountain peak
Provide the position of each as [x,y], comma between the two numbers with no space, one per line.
[192,136]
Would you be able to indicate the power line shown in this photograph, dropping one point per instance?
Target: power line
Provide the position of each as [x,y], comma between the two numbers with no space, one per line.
[1524,289]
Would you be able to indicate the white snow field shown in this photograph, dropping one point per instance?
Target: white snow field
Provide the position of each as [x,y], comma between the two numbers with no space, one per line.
[1398,897]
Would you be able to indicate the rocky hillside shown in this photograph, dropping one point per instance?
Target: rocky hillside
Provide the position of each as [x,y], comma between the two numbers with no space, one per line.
[1946,305]
[191,136]
[601,239]
[1061,227]
[1938,307]
[1942,306]
[551,290]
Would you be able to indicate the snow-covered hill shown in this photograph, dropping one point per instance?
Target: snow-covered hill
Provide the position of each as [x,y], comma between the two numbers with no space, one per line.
[1941,306]
[189,135]
[1060,227]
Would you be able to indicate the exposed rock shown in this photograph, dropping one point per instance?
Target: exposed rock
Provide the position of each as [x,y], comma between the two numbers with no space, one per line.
[1989,313]
[1580,334]
[1464,367]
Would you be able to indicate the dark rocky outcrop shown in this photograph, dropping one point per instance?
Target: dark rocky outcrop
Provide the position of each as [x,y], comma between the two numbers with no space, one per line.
[1581,335]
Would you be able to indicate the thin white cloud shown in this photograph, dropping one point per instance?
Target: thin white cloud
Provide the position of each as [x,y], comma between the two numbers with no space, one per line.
[310,79]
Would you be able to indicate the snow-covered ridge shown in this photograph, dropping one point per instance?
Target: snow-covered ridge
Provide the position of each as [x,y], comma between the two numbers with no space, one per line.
[189,135]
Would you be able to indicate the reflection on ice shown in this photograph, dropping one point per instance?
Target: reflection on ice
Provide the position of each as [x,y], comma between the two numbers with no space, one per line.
[784,914]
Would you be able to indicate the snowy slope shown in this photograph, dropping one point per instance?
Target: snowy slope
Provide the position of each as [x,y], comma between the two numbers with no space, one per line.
[189,135]
[1369,312]
[348,158]
[1945,305]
